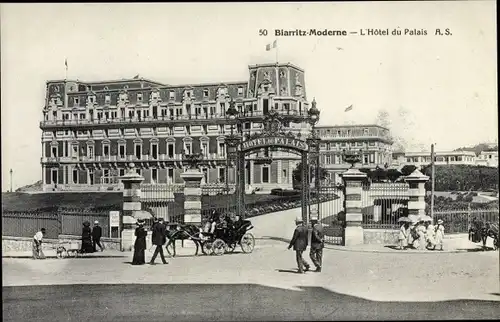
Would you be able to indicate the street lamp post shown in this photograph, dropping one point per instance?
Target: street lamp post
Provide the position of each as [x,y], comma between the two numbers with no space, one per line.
[314,141]
[231,115]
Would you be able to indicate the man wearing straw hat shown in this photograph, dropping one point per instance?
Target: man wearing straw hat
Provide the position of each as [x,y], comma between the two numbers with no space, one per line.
[299,244]
[37,244]
[159,239]
[317,243]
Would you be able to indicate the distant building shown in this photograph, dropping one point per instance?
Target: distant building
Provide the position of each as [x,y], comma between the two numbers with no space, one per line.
[420,159]
[488,158]
[373,141]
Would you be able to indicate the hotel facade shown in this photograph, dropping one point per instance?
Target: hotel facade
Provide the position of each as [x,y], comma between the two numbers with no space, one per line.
[91,131]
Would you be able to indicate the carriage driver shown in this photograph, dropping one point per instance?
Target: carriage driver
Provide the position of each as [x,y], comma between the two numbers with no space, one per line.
[214,220]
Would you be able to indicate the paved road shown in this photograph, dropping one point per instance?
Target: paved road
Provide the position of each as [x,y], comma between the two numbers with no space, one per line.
[261,285]
[187,302]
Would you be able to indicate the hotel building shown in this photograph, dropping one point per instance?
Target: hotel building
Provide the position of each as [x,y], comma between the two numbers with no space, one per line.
[92,130]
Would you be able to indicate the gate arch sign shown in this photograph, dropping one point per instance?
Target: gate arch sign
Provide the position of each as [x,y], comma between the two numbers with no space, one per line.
[275,141]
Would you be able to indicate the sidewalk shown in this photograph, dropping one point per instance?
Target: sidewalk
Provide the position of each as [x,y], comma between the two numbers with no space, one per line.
[51,253]
[452,244]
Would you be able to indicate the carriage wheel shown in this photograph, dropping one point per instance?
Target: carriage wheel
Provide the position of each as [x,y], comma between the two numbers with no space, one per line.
[247,243]
[171,247]
[207,248]
[219,247]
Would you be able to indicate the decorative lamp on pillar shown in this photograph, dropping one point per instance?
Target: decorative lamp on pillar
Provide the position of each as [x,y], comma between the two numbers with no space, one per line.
[313,113]
[131,206]
[231,115]
[313,142]
[353,185]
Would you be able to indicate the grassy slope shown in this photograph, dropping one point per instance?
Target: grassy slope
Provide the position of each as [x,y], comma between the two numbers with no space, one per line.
[29,202]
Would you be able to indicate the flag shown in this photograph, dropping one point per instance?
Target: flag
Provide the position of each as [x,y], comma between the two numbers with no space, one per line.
[270,46]
[66,63]
[348,108]
[136,76]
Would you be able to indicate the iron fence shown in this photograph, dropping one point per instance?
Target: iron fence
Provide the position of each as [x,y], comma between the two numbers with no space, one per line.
[27,224]
[459,221]
[163,200]
[382,204]
[72,222]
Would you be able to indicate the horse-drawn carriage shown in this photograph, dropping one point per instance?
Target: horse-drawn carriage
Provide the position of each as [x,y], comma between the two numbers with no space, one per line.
[224,239]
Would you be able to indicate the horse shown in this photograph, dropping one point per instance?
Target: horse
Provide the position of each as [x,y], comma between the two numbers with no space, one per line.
[183,232]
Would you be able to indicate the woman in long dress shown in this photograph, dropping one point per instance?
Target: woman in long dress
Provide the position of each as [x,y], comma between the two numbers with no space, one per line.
[439,234]
[430,235]
[140,244]
[422,242]
[87,246]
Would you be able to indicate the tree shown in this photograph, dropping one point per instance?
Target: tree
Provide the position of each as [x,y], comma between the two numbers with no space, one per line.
[297,174]
[393,174]
[408,169]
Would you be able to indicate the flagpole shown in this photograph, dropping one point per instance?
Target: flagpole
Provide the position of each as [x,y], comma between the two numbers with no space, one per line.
[66,69]
[276,52]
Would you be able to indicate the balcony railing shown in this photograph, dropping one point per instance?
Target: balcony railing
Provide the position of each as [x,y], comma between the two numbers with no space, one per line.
[161,119]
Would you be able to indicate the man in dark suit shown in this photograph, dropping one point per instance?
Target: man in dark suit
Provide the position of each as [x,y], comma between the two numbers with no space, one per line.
[317,244]
[299,244]
[96,236]
[153,233]
[159,239]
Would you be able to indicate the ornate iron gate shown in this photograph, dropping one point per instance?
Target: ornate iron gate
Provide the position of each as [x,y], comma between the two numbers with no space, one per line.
[331,213]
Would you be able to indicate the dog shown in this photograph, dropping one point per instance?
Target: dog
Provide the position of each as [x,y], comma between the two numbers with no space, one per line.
[61,252]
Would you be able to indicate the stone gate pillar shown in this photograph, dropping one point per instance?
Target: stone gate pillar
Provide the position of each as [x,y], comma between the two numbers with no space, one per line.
[353,232]
[131,204]
[416,193]
[192,192]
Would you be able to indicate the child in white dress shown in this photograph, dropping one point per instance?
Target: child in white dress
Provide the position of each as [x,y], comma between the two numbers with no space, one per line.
[403,236]
[439,234]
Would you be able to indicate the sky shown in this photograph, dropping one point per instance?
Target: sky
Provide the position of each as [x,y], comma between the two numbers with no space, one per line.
[435,89]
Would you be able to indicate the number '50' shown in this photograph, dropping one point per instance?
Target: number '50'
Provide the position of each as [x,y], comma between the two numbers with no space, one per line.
[263,32]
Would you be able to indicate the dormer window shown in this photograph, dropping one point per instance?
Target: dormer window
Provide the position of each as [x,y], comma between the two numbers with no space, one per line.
[171,95]
[107,98]
[106,88]
[91,99]
[205,93]
[139,97]
[240,91]
[188,93]
[77,101]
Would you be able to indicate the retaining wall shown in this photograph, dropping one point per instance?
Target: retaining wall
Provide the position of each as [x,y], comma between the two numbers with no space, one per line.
[23,244]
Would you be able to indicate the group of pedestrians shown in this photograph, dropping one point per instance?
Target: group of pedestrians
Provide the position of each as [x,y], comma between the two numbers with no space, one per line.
[91,237]
[300,241]
[422,235]
[158,238]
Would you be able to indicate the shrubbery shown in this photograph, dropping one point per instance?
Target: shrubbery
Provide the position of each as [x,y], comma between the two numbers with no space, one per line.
[285,193]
